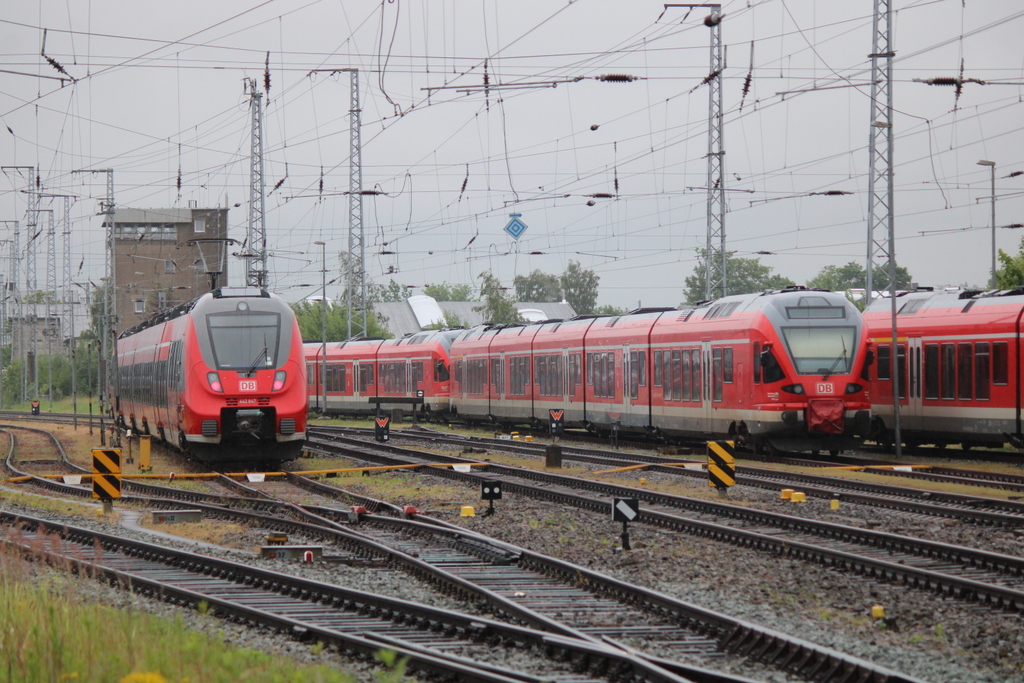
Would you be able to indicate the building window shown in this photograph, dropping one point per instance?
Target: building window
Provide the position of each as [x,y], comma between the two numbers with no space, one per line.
[169,266]
[199,225]
[140,306]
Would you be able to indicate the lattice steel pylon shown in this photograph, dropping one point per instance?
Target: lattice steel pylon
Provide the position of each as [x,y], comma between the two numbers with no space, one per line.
[881,240]
[714,249]
[355,275]
[256,235]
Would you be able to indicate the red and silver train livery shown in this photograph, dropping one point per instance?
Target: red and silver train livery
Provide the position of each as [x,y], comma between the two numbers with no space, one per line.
[221,377]
[958,367]
[783,370]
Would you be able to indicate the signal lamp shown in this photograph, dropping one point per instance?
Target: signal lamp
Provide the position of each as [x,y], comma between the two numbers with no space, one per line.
[794,389]
[279,377]
[853,388]
[214,379]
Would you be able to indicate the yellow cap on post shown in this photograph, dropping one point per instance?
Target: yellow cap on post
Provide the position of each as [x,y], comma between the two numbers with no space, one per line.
[786,493]
[468,511]
[798,497]
[878,612]
[834,504]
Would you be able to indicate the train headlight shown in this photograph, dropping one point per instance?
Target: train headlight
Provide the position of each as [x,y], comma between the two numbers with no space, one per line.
[214,380]
[794,389]
[279,378]
[853,388]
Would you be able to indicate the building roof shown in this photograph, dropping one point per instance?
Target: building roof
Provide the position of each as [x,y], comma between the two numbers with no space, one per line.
[402,318]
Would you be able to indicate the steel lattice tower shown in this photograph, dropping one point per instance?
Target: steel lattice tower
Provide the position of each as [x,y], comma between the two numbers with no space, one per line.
[355,279]
[256,237]
[51,293]
[880,242]
[715,283]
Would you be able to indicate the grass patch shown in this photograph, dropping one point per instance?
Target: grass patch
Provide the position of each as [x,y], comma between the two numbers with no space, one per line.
[50,632]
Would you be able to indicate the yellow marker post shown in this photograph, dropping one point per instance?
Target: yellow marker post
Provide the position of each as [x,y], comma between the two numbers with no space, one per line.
[798,497]
[786,494]
[878,612]
[834,504]
[467,511]
[145,444]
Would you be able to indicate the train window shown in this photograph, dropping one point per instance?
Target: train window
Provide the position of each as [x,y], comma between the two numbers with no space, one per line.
[931,371]
[821,350]
[948,363]
[590,369]
[309,374]
[244,340]
[999,358]
[576,374]
[901,370]
[417,374]
[476,370]
[670,371]
[716,373]
[884,362]
[441,373]
[757,362]
[642,357]
[815,312]
[964,367]
[657,368]
[497,377]
[695,383]
[981,371]
[681,376]
[727,364]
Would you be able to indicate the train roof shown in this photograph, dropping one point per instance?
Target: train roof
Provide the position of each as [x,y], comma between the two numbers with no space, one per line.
[963,300]
[188,306]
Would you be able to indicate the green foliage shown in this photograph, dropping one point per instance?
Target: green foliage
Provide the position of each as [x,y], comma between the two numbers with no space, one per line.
[451,319]
[1011,274]
[743,276]
[392,292]
[309,316]
[498,306]
[85,380]
[395,667]
[537,286]
[447,292]
[854,276]
[50,630]
[608,310]
[579,287]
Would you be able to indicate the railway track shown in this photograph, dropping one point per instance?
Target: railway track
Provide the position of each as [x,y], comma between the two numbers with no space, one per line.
[965,574]
[971,509]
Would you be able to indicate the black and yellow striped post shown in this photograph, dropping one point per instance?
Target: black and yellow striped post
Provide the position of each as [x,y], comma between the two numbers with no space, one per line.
[106,476]
[721,466]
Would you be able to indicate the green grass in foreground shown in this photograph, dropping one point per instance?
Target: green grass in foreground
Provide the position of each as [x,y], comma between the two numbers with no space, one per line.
[49,633]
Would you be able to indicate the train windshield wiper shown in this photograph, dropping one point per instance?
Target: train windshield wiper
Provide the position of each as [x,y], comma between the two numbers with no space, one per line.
[831,369]
[256,361]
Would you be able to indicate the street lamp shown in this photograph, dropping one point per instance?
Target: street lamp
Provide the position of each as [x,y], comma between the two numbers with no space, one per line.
[992,167]
[323,325]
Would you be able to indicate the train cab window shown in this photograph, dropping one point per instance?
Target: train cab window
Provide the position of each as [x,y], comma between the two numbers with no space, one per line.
[727,364]
[716,373]
[441,373]
[884,362]
[244,340]
[999,358]
[931,371]
[981,371]
[948,371]
[964,368]
[757,363]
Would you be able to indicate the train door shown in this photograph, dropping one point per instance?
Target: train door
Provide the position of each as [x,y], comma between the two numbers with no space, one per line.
[911,406]
[707,380]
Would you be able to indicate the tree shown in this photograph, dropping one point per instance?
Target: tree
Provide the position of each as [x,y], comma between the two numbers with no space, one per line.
[451,319]
[580,288]
[1012,273]
[854,276]
[608,310]
[537,286]
[743,276]
[393,292]
[309,316]
[446,292]
[498,307]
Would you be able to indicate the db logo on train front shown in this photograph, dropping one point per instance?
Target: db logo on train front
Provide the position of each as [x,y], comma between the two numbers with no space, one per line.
[247,385]
[826,388]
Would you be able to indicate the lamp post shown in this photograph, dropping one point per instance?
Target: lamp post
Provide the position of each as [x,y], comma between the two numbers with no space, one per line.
[992,168]
[323,325]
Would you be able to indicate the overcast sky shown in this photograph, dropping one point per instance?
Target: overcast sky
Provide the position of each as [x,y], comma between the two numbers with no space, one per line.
[159,95]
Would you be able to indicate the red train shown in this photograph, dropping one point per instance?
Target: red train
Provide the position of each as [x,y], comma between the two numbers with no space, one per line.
[221,377]
[779,370]
[359,375]
[958,367]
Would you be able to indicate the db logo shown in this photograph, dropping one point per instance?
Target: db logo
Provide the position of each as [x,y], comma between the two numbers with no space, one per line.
[826,388]
[247,385]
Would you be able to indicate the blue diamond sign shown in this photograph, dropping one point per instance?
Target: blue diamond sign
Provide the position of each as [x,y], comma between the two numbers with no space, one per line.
[515,227]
